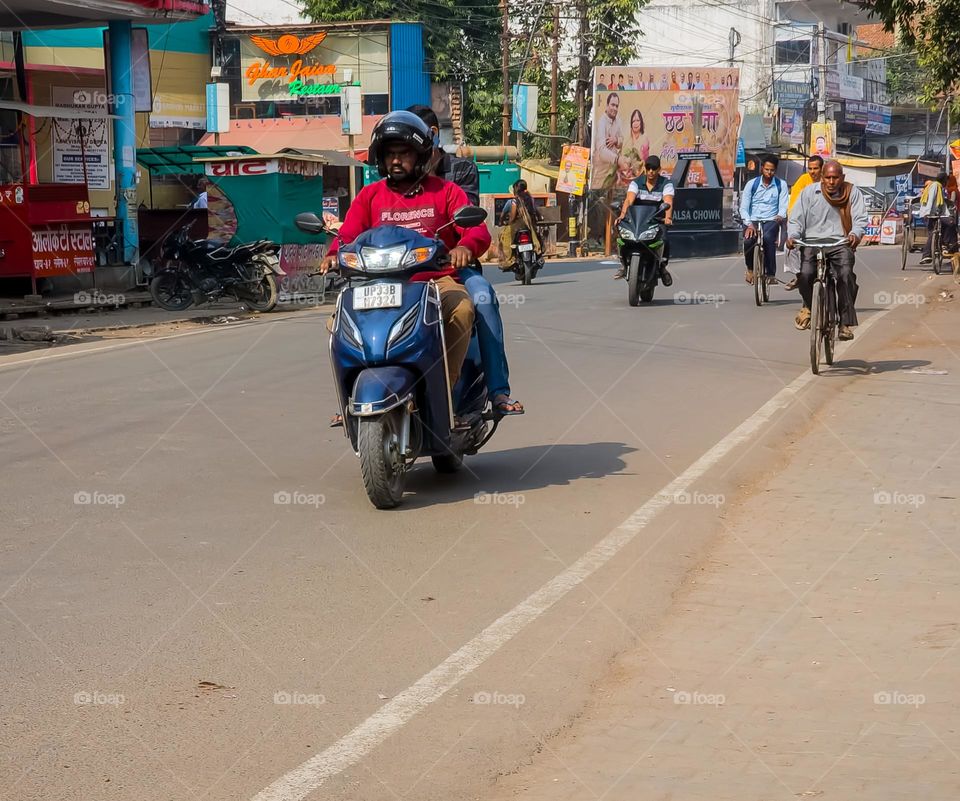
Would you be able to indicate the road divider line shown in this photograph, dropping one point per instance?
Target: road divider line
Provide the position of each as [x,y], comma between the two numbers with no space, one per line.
[298,783]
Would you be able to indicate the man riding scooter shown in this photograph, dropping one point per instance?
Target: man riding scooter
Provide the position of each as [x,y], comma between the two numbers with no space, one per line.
[401,145]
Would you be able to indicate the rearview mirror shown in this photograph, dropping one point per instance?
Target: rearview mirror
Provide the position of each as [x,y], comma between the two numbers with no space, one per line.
[469,216]
[309,222]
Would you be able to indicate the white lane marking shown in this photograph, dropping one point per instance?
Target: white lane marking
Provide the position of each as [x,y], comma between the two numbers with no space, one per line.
[66,352]
[350,749]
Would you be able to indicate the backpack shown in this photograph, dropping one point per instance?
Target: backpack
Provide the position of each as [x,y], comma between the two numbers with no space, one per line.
[781,185]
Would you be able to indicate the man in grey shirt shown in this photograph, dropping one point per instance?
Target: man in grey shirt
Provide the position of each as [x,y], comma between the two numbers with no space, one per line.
[827,212]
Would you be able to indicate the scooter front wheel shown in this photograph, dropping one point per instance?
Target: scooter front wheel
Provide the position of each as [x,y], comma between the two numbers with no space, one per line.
[381,462]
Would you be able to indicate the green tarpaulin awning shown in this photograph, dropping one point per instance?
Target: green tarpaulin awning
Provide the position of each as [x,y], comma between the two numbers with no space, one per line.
[180,159]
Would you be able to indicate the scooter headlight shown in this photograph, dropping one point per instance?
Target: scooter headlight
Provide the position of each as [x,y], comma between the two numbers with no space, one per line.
[649,236]
[382,259]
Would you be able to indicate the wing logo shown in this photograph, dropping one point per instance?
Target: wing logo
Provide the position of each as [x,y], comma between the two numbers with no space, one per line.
[288,44]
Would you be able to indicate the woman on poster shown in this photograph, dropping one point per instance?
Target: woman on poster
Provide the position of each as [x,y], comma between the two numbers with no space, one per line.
[637,144]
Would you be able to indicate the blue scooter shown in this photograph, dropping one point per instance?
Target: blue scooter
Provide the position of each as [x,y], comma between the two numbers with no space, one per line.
[389,360]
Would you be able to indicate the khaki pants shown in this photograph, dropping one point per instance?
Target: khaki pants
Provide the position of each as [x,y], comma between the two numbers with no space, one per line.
[457,311]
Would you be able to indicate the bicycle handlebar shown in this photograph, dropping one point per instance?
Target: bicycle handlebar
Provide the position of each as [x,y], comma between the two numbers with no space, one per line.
[803,244]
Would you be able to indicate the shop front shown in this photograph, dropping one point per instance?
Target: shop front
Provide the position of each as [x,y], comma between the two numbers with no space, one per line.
[287,84]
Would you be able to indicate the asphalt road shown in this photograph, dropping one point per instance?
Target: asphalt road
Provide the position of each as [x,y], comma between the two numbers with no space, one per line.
[171,628]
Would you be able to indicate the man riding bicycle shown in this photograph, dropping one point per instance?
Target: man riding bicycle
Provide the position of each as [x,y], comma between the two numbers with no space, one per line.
[765,199]
[826,212]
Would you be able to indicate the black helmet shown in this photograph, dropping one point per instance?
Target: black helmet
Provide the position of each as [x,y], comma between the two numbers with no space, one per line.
[400,126]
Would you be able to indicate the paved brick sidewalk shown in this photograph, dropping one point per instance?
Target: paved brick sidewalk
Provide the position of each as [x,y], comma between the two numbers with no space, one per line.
[816,652]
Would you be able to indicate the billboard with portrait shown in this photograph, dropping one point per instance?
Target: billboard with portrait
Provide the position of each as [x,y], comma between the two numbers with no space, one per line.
[643,111]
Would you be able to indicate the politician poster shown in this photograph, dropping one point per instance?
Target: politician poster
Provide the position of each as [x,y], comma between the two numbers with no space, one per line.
[638,112]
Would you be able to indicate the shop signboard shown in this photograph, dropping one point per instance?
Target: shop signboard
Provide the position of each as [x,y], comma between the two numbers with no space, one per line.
[856,113]
[574,162]
[62,250]
[218,107]
[525,98]
[76,141]
[284,66]
[878,118]
[791,94]
[632,123]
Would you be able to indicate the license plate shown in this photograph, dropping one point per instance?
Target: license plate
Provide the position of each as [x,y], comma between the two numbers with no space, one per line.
[377,296]
[524,248]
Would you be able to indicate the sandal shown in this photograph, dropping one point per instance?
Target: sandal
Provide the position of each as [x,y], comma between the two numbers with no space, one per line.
[336,421]
[505,405]
[748,277]
[802,320]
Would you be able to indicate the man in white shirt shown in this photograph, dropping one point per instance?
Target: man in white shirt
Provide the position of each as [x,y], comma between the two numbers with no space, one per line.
[609,139]
[653,188]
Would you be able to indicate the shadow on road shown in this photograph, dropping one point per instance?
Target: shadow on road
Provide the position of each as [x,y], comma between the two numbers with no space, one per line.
[514,471]
[849,367]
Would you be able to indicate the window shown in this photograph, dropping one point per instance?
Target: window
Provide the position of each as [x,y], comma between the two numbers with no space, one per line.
[376,104]
[793,52]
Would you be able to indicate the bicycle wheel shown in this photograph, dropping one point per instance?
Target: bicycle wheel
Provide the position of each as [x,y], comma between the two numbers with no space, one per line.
[905,248]
[816,326]
[936,250]
[830,323]
[759,281]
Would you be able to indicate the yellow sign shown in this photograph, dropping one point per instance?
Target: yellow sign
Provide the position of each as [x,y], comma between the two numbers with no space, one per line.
[822,137]
[574,162]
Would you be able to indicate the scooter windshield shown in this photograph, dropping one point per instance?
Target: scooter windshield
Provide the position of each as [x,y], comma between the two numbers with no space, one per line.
[642,213]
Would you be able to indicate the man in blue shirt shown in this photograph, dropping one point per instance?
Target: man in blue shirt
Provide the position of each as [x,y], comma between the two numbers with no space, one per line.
[764,200]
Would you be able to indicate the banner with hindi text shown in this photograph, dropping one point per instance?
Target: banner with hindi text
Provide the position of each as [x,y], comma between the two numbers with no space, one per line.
[643,111]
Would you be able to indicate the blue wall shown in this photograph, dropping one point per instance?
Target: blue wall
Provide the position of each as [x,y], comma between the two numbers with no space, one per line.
[409,81]
[191,36]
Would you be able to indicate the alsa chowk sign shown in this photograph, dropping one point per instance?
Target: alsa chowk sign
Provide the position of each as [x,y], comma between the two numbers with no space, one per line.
[289,45]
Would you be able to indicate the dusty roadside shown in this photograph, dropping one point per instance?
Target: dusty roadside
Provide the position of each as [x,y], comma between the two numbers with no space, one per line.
[813,652]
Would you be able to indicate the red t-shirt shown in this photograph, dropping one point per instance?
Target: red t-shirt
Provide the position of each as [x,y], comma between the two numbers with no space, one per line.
[431,207]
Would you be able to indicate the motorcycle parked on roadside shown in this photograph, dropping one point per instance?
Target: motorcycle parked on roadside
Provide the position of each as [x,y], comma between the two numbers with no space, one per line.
[641,235]
[527,262]
[389,360]
[200,271]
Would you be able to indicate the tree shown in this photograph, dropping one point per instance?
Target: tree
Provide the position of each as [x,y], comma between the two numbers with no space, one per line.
[932,29]
[463,46]
[462,41]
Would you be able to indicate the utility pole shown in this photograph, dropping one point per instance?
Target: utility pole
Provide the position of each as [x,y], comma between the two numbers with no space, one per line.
[734,39]
[505,67]
[554,71]
[822,60]
[584,74]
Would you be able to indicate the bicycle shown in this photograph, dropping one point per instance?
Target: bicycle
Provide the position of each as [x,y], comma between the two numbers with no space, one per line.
[936,245]
[761,289]
[824,317]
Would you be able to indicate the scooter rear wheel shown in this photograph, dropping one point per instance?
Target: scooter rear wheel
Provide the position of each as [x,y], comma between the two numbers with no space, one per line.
[264,296]
[381,463]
